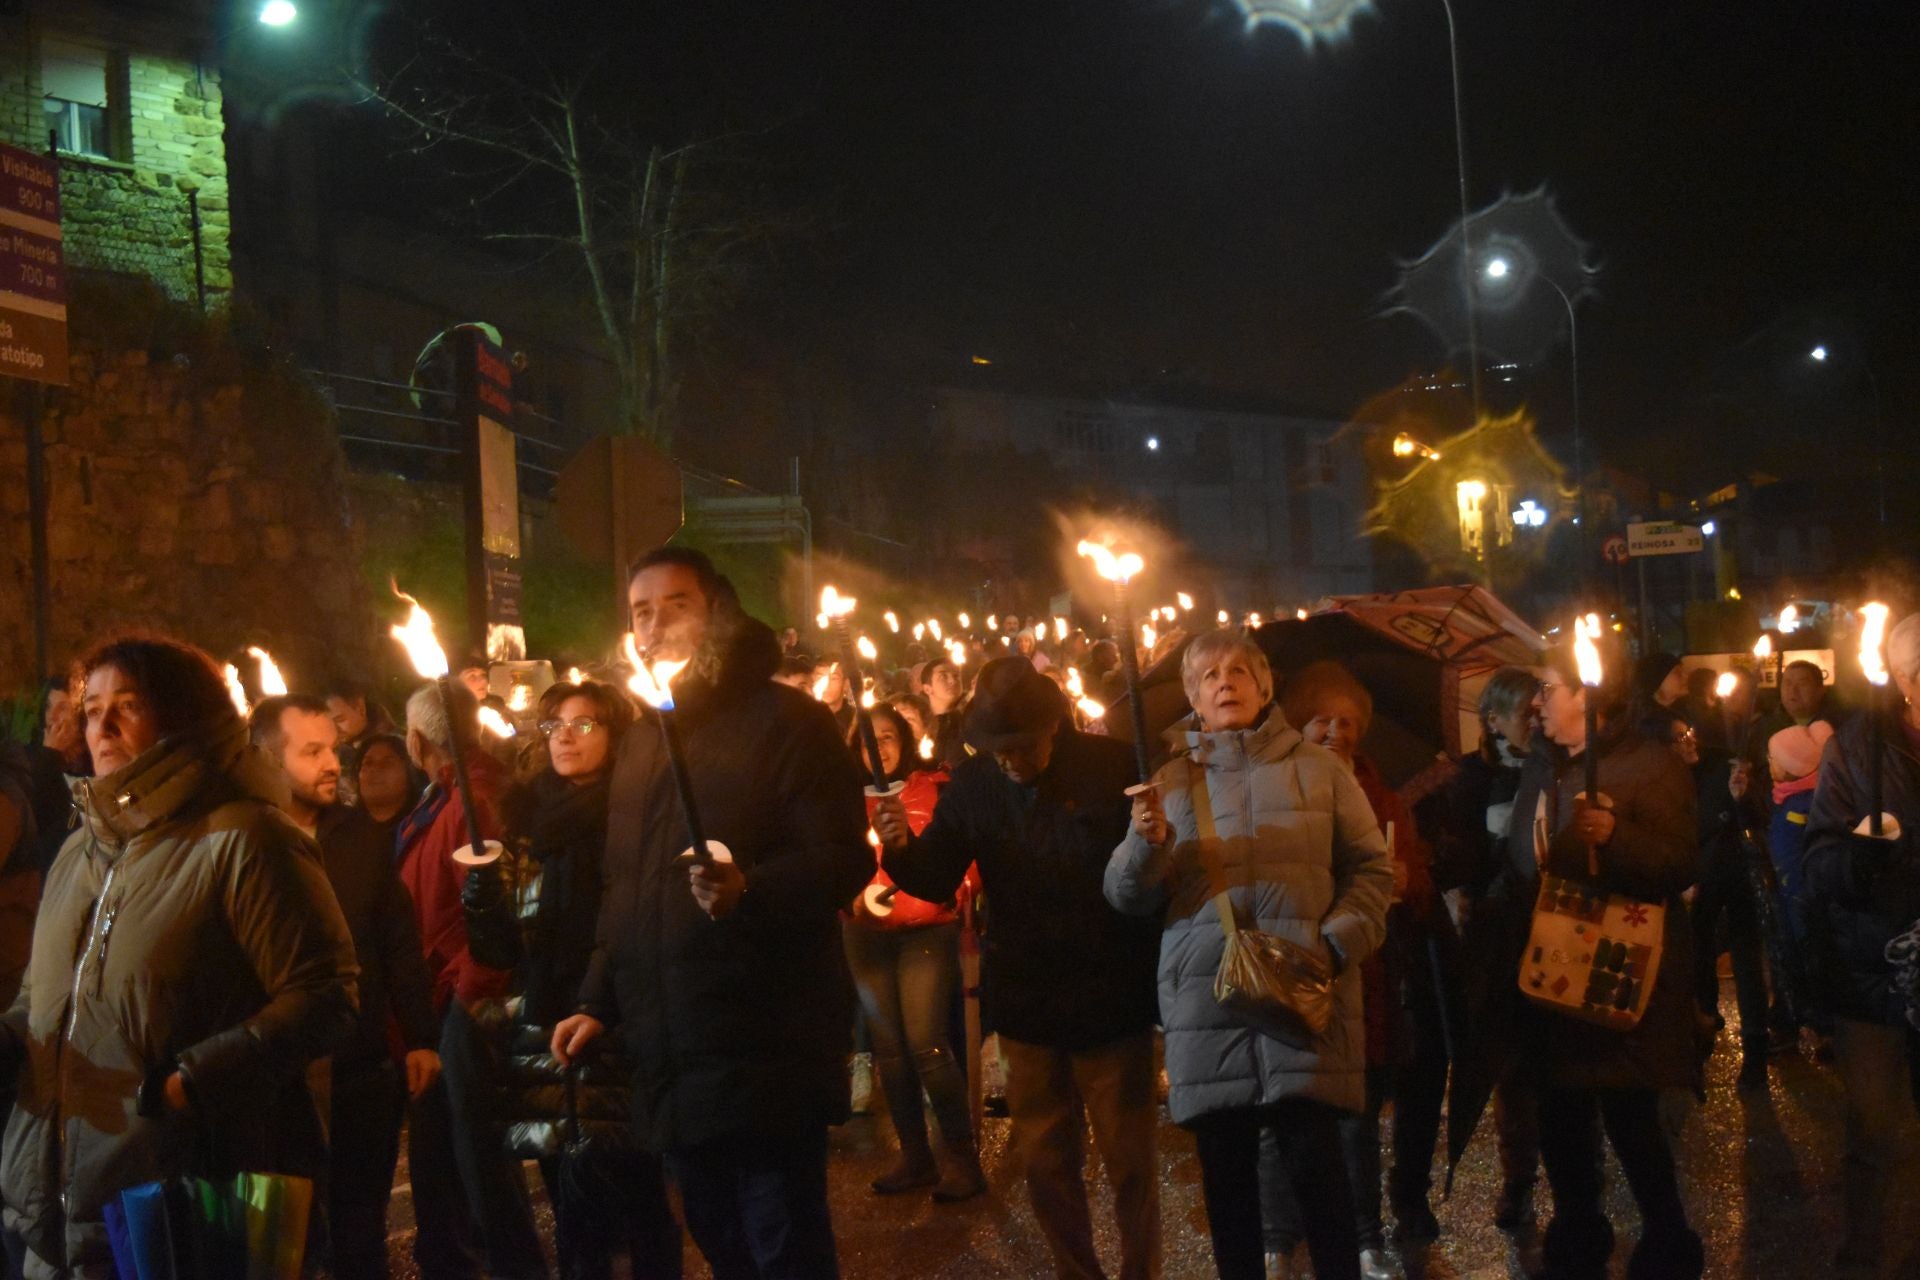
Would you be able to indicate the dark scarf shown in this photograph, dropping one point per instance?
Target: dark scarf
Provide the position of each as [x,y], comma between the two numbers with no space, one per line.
[564,818]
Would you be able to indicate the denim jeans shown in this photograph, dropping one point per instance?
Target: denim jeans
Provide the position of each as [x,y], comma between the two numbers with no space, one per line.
[1285,1161]
[757,1206]
[1877,1063]
[1054,1097]
[906,979]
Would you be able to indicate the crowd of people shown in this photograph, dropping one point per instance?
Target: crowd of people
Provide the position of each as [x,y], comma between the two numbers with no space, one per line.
[263,939]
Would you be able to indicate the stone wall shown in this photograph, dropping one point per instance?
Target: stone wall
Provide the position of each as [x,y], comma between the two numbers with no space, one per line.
[192,488]
[130,214]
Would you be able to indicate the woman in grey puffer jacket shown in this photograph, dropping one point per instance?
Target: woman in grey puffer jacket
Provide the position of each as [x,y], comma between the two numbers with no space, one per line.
[1303,858]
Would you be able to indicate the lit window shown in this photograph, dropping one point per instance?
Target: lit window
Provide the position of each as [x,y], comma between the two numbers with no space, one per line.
[73,79]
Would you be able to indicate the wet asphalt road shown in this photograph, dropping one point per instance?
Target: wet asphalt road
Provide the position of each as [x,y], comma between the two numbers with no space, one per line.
[1760,1172]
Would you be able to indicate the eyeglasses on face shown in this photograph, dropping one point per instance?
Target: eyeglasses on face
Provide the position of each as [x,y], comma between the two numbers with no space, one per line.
[581,726]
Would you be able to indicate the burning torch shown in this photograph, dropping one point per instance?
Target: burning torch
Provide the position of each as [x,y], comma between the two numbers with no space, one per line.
[430,661]
[1586,656]
[1873,664]
[838,609]
[653,685]
[1120,570]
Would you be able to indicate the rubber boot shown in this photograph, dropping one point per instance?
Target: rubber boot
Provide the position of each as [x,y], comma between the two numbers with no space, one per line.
[946,1086]
[902,1089]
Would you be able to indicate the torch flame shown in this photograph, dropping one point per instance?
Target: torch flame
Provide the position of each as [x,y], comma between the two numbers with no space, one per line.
[866,649]
[1148,636]
[1586,655]
[417,637]
[993,622]
[1075,686]
[1789,618]
[1301,614]
[575,675]
[1090,709]
[1253,619]
[272,683]
[1060,629]
[958,652]
[965,622]
[1113,568]
[1763,648]
[1726,684]
[933,627]
[1221,617]
[652,683]
[926,748]
[1873,637]
[236,691]
[1186,601]
[494,723]
[892,620]
[835,605]
[919,632]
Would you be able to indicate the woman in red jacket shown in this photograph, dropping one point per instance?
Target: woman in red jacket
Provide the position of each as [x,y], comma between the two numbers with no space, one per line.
[1333,709]
[905,958]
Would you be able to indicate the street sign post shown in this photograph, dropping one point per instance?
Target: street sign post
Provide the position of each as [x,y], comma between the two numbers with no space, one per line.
[33,337]
[33,271]
[483,398]
[1664,538]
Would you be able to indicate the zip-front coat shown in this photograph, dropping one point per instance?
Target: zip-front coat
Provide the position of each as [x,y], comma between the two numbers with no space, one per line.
[1303,858]
[187,926]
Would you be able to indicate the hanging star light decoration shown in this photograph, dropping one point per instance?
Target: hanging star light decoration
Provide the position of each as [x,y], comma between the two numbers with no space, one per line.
[1311,20]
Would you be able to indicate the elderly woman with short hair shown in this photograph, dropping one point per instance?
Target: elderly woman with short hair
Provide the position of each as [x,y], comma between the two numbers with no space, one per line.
[1863,894]
[1300,855]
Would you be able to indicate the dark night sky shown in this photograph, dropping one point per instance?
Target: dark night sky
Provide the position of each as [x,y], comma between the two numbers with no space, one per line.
[1139,191]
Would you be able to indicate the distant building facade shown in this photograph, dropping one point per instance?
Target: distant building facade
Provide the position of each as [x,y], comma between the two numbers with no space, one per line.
[1270,505]
[129,98]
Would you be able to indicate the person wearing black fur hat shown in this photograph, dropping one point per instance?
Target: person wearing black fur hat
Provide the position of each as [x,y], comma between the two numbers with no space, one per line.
[1069,981]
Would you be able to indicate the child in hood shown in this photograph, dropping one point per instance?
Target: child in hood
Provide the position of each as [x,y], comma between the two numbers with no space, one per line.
[1793,758]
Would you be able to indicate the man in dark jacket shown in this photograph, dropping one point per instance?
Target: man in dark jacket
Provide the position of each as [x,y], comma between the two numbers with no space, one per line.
[1862,894]
[368,1097]
[727,980]
[1069,981]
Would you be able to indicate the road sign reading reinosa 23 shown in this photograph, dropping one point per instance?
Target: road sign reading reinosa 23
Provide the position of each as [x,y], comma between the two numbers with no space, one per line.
[1664,538]
[33,274]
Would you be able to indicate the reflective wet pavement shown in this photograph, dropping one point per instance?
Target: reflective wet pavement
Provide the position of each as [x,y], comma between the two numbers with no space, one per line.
[1760,1172]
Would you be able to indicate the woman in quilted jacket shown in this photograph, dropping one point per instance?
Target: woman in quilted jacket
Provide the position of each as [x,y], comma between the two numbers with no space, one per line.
[535,914]
[1290,847]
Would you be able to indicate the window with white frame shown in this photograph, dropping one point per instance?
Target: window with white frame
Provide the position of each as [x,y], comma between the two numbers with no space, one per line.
[73,82]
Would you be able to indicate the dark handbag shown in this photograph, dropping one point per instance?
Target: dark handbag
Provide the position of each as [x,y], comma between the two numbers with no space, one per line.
[1269,983]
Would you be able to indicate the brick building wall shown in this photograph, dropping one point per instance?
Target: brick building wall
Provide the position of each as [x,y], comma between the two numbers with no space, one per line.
[128,212]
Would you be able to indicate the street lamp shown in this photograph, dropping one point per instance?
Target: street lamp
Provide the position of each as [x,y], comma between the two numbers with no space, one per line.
[278,13]
[1502,273]
[1819,355]
[1329,19]
[1405,446]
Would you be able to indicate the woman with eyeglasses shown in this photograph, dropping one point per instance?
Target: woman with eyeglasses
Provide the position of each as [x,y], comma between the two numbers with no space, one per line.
[534,911]
[1638,840]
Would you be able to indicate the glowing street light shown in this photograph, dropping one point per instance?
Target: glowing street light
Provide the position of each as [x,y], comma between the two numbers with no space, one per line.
[1405,446]
[278,13]
[1818,355]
